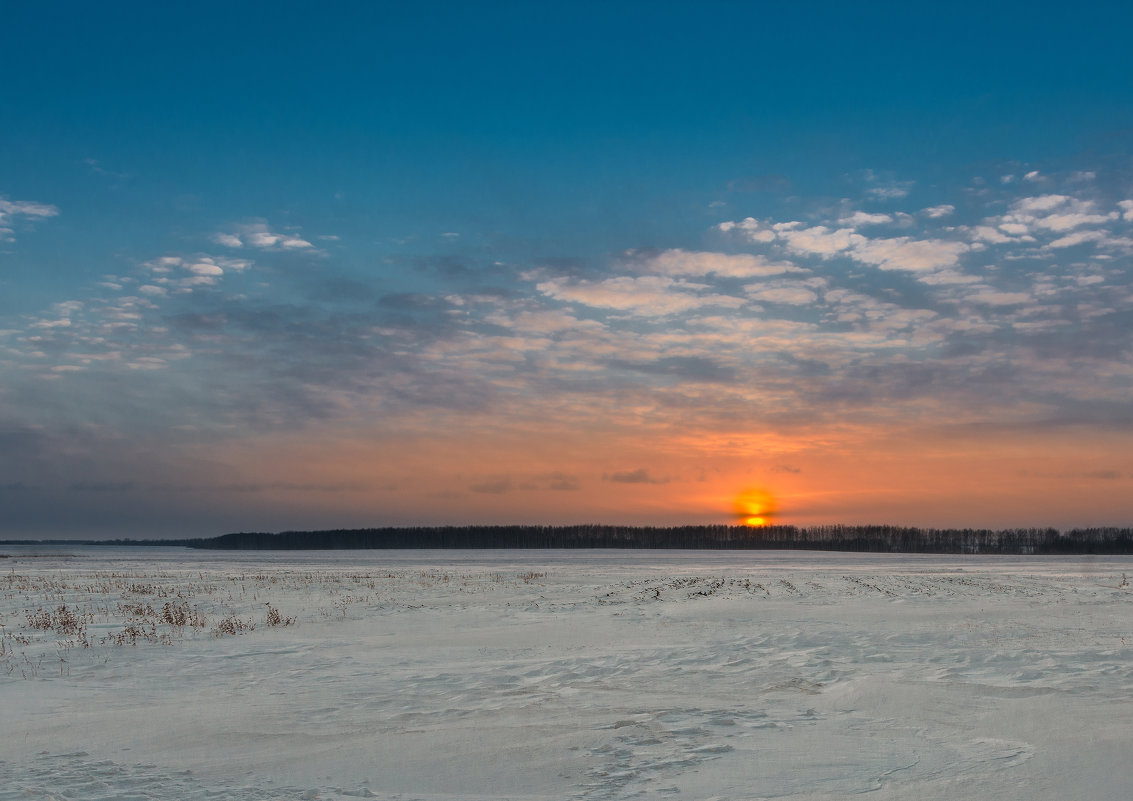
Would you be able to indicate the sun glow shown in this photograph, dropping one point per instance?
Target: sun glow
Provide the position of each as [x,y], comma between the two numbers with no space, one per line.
[755,507]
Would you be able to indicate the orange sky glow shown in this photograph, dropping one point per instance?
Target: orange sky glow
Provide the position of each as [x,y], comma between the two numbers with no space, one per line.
[946,476]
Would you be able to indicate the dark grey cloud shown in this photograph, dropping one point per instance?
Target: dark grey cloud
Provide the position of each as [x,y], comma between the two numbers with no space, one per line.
[1106,337]
[494,486]
[883,384]
[638,476]
[685,368]
[564,483]
[1103,475]
[558,481]
[805,366]
[284,365]
[958,347]
[1104,413]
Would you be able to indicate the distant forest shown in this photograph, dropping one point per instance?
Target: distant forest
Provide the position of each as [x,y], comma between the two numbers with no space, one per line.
[870,539]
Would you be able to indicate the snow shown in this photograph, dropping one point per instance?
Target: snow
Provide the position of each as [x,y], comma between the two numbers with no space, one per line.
[566,675]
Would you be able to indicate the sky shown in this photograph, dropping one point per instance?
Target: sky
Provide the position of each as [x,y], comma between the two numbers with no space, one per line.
[298,265]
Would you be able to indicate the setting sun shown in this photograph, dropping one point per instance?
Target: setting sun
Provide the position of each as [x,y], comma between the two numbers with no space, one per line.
[755,507]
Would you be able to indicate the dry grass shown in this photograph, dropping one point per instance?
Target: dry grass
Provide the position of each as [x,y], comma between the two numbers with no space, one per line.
[274,618]
[54,612]
[179,613]
[232,625]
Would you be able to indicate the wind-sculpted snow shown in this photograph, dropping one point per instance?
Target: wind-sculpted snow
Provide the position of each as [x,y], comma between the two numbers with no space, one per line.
[126,673]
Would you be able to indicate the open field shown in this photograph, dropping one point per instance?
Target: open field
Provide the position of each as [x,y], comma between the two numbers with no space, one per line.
[173,674]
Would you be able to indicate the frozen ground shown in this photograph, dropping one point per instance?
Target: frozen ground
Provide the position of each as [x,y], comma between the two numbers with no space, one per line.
[563,675]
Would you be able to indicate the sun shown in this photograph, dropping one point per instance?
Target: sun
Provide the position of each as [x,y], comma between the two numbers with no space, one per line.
[755,507]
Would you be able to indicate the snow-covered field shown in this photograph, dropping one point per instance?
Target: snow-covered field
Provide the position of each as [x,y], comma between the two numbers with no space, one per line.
[563,675]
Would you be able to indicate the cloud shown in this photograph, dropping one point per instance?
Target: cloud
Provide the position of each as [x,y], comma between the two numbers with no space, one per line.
[96,167]
[781,292]
[638,476]
[1070,220]
[25,210]
[688,368]
[683,263]
[1040,204]
[207,267]
[648,296]
[1103,475]
[494,486]
[540,321]
[892,191]
[861,218]
[565,483]
[1077,238]
[819,240]
[749,229]
[906,253]
[557,481]
[995,298]
[185,273]
[937,212]
[1033,219]
[899,253]
[1058,213]
[993,235]
[258,235]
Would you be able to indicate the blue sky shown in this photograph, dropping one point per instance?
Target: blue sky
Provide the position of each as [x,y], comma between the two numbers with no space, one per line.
[289,265]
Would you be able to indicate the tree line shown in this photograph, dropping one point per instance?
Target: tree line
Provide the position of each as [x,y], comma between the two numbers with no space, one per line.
[867,539]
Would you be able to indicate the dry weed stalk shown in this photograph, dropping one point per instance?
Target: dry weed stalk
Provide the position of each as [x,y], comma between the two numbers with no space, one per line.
[232,625]
[274,618]
[181,614]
